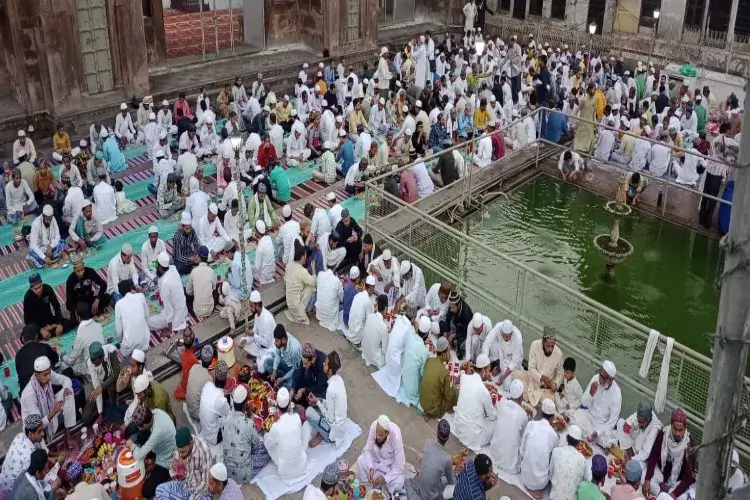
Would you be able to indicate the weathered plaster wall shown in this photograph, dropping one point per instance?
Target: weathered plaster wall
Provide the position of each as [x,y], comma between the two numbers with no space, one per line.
[132,42]
[439,11]
[22,18]
[153,25]
[311,23]
[334,26]
[281,21]
[672,18]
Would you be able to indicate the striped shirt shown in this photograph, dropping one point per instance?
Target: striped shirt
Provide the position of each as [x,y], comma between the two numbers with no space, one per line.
[468,486]
[185,246]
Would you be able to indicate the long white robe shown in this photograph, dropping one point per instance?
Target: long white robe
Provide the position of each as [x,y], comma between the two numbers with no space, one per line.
[506,438]
[261,344]
[106,202]
[537,443]
[483,156]
[330,292]
[475,340]
[375,340]
[212,235]
[641,155]
[264,266]
[287,445]
[131,323]
[413,289]
[388,275]
[361,308]
[288,232]
[601,413]
[470,11]
[641,441]
[389,377]
[388,461]
[510,354]
[474,418]
[175,311]
[420,58]
[149,255]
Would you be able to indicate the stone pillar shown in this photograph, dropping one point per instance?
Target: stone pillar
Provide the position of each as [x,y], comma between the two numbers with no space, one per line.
[732,21]
[156,43]
[671,19]
[609,17]
[131,38]
[627,16]
[526,13]
[510,11]
[335,16]
[547,8]
[576,14]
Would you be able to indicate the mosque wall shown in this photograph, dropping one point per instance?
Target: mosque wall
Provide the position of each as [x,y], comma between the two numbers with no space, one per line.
[311,22]
[281,21]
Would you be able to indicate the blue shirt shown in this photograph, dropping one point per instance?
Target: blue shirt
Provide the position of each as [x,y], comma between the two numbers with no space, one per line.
[346,156]
[113,156]
[465,125]
[235,276]
[556,126]
[346,303]
[291,355]
[468,486]
[329,75]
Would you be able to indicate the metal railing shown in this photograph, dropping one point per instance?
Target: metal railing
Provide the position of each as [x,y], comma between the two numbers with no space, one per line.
[502,287]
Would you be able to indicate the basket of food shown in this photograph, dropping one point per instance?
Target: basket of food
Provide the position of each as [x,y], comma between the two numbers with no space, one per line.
[374,494]
[584,449]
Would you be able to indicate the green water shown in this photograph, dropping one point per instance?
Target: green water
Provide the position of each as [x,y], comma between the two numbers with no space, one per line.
[669,283]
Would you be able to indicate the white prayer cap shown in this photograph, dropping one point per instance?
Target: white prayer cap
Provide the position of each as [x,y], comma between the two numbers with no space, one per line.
[226,154]
[186,219]
[354,273]
[140,384]
[405,267]
[126,249]
[383,50]
[609,367]
[381,101]
[21,133]
[685,98]
[87,203]
[698,98]
[294,112]
[339,119]
[317,87]
[557,49]
[159,153]
[73,152]
[506,327]
[627,72]
[387,254]
[384,422]
[493,98]
[213,208]
[324,103]
[104,132]
[418,103]
[515,112]
[239,394]
[163,259]
[260,226]
[48,211]
[286,211]
[531,35]
[321,65]
[219,471]
[331,196]
[365,81]
[370,280]
[513,37]
[153,229]
[477,321]
[735,458]
[42,363]
[138,355]
[165,103]
[405,109]
[123,106]
[209,120]
[162,134]
[342,133]
[83,143]
[282,397]
[491,123]
[548,406]
[408,131]
[305,66]
[575,432]
[286,97]
[544,52]
[425,324]
[673,129]
[483,361]
[516,389]
[565,46]
[255,297]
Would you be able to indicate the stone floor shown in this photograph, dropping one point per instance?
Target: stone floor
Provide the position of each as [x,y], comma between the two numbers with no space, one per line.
[366,402]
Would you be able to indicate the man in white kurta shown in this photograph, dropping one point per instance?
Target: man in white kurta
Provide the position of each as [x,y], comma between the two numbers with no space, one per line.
[504,346]
[124,128]
[260,345]
[383,460]
[288,233]
[287,442]
[420,58]
[214,406]
[475,417]
[506,438]
[18,455]
[330,292]
[413,289]
[538,441]
[375,336]
[602,401]
[476,334]
[264,265]
[150,250]
[436,302]
[470,12]
[106,202]
[545,371]
[131,320]
[360,309]
[38,398]
[386,270]
[121,267]
[636,434]
[483,155]
[389,377]
[211,233]
[175,313]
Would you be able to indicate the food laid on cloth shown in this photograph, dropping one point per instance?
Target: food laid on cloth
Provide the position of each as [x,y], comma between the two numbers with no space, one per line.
[494,394]
[98,457]
[558,423]
[616,467]
[262,400]
[375,495]
[585,449]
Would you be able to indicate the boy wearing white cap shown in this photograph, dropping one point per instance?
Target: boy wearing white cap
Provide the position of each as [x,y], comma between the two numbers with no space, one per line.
[37,398]
[124,129]
[506,437]
[150,250]
[601,405]
[567,467]
[475,417]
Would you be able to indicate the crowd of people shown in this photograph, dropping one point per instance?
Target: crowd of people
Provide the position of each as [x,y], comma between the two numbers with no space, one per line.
[428,347]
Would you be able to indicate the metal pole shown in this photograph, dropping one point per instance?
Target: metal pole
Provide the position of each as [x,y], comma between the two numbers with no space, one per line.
[231,27]
[704,22]
[732,21]
[203,33]
[216,29]
[243,221]
[732,335]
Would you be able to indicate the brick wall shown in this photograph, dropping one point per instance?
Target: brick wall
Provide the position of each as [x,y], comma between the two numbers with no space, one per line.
[183,31]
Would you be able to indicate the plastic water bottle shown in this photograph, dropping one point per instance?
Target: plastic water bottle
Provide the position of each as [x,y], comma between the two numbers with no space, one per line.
[355,488]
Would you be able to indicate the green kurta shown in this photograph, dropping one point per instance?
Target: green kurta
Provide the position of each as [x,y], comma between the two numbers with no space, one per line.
[436,394]
[701,113]
[161,399]
[640,87]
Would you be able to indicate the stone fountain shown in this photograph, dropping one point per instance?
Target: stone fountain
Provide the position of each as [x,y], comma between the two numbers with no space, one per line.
[615,249]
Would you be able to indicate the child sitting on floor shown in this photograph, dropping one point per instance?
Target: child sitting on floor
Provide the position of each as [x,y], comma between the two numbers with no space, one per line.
[124,205]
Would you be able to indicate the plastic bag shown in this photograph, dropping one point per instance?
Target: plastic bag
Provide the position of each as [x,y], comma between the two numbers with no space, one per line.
[687,70]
